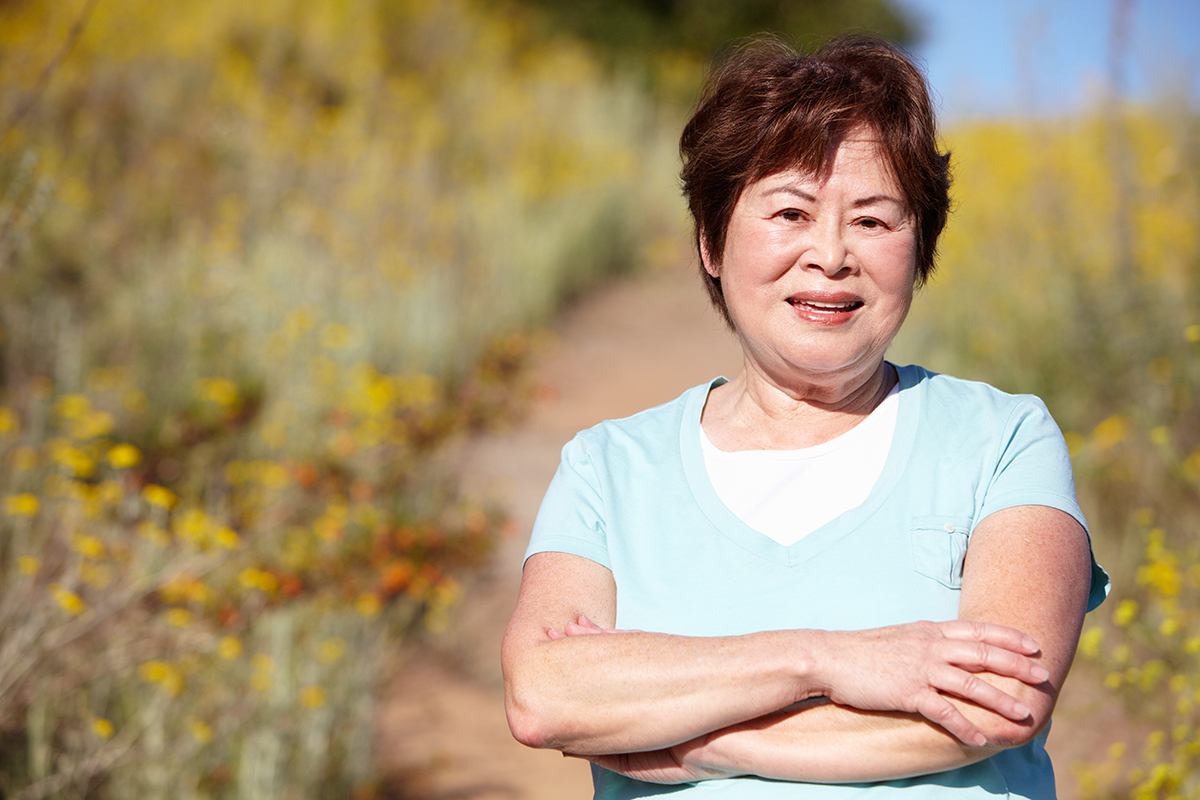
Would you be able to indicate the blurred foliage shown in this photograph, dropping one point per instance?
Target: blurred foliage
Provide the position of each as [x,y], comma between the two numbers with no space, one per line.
[1071,270]
[672,41]
[259,264]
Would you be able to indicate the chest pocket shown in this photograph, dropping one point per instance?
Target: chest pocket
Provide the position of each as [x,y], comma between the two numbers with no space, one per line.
[939,547]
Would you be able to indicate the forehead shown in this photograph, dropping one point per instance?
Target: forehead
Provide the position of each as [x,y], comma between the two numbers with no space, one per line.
[858,166]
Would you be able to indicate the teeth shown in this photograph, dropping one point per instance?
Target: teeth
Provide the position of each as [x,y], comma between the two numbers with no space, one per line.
[828,306]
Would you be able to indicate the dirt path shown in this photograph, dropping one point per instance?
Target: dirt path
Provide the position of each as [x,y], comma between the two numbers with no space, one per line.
[627,347]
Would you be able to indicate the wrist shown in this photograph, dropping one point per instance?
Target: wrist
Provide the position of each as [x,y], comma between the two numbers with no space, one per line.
[809,661]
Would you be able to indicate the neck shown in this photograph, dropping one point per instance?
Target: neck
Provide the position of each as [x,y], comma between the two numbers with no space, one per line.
[753,412]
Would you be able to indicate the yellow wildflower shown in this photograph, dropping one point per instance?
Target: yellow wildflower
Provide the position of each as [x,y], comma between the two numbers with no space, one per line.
[200,730]
[229,648]
[1192,333]
[1111,432]
[331,650]
[28,565]
[272,475]
[1090,641]
[193,526]
[87,546]
[1126,613]
[199,592]
[1160,435]
[8,420]
[368,605]
[102,728]
[67,600]
[153,671]
[228,539]
[21,505]
[123,456]
[162,673]
[262,662]
[262,580]
[72,406]
[312,696]
[92,425]
[159,496]
[179,617]
[1162,576]
[220,391]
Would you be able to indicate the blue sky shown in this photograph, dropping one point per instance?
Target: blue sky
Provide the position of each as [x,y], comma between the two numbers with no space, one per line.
[1025,56]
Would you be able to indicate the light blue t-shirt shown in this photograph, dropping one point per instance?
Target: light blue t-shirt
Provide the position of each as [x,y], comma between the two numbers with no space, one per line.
[633,495]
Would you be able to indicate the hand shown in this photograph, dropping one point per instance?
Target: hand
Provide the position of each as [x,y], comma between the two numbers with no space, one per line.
[668,766]
[913,667]
[583,626]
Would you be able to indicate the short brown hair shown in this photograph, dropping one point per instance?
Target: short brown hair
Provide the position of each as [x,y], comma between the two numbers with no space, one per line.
[766,109]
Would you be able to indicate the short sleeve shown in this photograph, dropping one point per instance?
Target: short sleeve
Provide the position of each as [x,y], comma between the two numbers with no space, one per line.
[1034,468]
[571,518]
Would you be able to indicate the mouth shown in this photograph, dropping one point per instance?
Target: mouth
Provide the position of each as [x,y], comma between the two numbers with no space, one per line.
[825,307]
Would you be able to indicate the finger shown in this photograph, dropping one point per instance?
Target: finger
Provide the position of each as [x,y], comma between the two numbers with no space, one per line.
[573,629]
[979,657]
[555,634]
[991,633]
[938,710]
[978,691]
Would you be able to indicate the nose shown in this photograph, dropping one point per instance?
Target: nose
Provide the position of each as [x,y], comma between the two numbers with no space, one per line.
[826,248]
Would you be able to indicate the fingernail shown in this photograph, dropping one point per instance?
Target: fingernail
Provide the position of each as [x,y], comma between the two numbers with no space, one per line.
[1041,673]
[980,740]
[1030,645]
[1022,710]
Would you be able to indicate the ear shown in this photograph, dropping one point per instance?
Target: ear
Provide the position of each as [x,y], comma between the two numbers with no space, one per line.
[710,267]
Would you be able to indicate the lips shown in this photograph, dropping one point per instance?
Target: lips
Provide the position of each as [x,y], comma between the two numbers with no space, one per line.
[826,307]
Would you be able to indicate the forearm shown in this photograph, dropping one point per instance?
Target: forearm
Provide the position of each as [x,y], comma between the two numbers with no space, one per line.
[827,743]
[576,688]
[644,691]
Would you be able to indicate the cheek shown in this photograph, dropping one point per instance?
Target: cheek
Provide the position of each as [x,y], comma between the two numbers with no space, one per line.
[896,264]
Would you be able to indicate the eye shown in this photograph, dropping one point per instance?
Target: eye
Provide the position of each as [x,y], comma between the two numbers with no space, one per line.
[791,215]
[870,223]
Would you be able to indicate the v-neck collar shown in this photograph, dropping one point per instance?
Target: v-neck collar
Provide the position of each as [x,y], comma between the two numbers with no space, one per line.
[762,545]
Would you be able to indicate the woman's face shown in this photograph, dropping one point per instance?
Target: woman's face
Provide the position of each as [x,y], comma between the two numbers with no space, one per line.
[818,274]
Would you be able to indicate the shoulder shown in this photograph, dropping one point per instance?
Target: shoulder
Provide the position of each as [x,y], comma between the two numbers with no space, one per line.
[953,403]
[646,429]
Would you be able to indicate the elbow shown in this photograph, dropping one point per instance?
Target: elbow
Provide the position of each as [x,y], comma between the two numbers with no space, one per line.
[1005,733]
[527,728]
[529,720]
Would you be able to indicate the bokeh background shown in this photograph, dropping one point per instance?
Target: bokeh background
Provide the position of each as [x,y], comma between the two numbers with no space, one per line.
[261,263]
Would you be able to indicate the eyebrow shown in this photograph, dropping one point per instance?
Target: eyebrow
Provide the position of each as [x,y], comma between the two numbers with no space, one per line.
[862,202]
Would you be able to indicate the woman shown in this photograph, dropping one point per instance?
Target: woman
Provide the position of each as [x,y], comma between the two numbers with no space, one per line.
[829,575]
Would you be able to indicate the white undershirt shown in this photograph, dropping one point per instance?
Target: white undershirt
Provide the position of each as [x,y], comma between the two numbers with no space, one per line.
[787,494]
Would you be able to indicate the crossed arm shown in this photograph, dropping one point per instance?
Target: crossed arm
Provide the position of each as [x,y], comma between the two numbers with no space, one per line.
[804,705]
